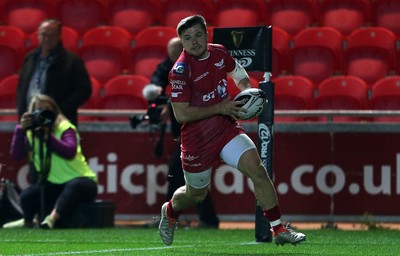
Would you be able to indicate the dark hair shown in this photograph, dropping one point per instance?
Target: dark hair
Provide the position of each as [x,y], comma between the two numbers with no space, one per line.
[189,22]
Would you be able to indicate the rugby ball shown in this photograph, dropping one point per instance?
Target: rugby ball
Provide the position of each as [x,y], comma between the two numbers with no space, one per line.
[253,101]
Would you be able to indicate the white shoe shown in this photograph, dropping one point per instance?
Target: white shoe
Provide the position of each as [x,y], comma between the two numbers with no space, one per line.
[15,224]
[48,222]
[286,235]
[167,226]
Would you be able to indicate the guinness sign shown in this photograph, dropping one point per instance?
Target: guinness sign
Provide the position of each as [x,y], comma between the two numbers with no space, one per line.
[250,46]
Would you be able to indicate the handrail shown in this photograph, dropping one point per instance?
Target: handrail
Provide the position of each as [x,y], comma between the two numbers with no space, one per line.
[297,113]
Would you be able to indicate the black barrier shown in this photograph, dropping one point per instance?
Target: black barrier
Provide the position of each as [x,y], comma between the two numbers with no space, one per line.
[266,150]
[252,48]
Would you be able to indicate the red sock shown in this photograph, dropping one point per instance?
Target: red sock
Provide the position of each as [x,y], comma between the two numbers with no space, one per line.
[171,212]
[274,217]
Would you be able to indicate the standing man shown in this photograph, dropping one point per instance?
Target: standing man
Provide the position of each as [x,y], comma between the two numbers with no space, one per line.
[52,70]
[210,130]
[159,82]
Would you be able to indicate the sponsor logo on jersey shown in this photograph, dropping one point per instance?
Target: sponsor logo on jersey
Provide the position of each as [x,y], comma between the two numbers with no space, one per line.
[201,76]
[190,158]
[177,84]
[209,96]
[179,68]
[219,64]
[222,88]
[175,94]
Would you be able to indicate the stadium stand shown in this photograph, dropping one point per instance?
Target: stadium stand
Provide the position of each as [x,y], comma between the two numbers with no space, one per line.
[308,35]
[239,13]
[13,37]
[8,89]
[317,53]
[370,53]
[103,61]
[92,103]
[292,93]
[342,92]
[80,15]
[149,50]
[344,15]
[175,10]
[385,95]
[124,92]
[280,51]
[387,14]
[109,35]
[134,15]
[9,61]
[27,14]
[155,36]
[291,15]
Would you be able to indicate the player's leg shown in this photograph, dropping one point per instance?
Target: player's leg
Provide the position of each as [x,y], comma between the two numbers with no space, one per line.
[242,154]
[193,192]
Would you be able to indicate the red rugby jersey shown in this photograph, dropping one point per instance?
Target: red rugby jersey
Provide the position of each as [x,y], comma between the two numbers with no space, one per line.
[202,82]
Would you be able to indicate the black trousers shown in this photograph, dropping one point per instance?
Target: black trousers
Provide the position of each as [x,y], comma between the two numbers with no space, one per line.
[64,197]
[205,209]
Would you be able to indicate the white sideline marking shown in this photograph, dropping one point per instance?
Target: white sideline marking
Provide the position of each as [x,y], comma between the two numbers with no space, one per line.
[125,250]
[107,251]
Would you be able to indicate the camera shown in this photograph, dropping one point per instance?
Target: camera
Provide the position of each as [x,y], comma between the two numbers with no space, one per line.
[42,118]
[153,115]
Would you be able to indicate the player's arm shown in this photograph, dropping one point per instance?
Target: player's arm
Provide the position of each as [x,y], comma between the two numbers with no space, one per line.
[185,113]
[240,77]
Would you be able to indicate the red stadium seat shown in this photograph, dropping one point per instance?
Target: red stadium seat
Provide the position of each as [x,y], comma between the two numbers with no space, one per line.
[80,15]
[175,10]
[291,15]
[344,15]
[370,53]
[157,35]
[103,62]
[27,14]
[150,49]
[8,89]
[9,61]
[317,53]
[387,14]
[280,51]
[143,60]
[385,95]
[13,37]
[342,93]
[124,92]
[239,13]
[134,15]
[292,93]
[210,30]
[93,101]
[70,39]
[109,35]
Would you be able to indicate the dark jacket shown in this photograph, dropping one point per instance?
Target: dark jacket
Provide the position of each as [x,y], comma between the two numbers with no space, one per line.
[67,82]
[160,78]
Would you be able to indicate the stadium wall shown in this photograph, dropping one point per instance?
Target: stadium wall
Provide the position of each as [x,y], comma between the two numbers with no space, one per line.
[322,171]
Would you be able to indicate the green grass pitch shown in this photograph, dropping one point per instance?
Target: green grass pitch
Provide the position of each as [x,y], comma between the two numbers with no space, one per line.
[192,242]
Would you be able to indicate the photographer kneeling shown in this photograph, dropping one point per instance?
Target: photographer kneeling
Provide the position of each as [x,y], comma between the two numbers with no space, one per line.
[52,144]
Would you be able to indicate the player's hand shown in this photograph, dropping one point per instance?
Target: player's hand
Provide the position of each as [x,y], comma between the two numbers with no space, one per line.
[231,108]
